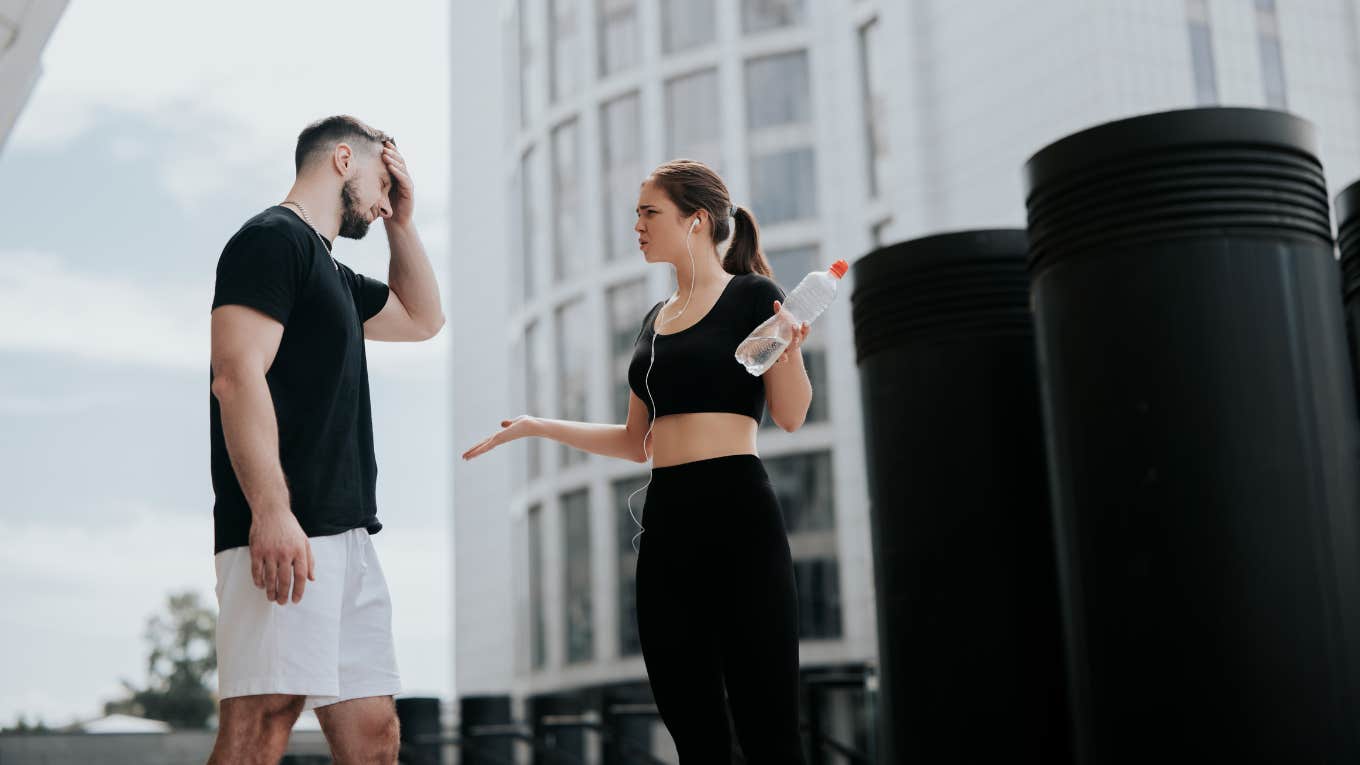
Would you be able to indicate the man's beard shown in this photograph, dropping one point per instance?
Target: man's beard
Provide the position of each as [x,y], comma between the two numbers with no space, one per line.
[353,222]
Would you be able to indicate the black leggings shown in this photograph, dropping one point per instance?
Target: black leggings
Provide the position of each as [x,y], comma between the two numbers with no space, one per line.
[716,605]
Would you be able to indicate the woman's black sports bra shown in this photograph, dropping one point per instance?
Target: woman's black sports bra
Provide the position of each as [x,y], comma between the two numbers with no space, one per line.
[695,369]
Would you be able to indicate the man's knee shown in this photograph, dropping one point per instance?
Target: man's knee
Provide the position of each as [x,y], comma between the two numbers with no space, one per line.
[364,738]
[382,743]
[262,714]
[387,740]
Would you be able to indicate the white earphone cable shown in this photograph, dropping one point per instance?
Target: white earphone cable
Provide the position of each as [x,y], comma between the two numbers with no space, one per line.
[646,380]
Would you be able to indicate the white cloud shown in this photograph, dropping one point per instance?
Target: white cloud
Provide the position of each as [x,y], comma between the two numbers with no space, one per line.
[225,96]
[20,405]
[47,306]
[256,83]
[77,599]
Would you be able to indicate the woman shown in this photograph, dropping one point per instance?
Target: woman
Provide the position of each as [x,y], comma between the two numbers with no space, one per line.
[716,605]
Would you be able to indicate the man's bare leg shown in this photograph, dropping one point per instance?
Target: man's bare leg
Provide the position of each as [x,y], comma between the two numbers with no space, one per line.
[362,731]
[254,730]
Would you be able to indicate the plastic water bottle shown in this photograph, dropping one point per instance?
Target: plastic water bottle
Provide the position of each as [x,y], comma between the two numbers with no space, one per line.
[763,346]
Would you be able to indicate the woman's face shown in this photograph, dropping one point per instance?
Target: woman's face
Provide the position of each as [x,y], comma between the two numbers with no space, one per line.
[661,229]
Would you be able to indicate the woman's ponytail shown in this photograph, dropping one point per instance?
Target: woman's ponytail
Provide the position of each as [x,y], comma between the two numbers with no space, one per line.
[744,255]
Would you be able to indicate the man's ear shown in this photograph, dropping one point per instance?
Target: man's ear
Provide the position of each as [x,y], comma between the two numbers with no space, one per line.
[342,158]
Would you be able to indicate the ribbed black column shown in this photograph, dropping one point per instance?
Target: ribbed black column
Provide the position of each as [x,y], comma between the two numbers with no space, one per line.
[1348,239]
[478,719]
[968,617]
[1202,439]
[418,718]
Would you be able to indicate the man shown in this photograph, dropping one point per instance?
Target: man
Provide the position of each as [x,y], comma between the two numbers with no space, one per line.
[293,466]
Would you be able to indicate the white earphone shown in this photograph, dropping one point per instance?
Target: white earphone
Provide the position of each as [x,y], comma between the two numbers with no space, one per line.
[647,378]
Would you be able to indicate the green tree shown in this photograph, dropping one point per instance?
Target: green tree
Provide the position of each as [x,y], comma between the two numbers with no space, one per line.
[179,668]
[22,725]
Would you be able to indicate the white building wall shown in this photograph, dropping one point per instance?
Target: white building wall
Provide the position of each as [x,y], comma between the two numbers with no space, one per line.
[971,91]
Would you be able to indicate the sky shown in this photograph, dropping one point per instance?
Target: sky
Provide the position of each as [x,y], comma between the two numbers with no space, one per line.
[156,129]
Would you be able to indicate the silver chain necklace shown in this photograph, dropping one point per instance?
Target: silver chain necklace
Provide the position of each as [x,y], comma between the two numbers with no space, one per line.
[308,219]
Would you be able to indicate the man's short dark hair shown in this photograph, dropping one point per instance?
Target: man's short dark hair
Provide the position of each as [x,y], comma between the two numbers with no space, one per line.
[323,135]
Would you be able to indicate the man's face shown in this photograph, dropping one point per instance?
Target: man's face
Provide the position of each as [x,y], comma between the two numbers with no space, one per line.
[364,195]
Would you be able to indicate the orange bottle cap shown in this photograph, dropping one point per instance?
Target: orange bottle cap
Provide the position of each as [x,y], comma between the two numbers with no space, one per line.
[839,268]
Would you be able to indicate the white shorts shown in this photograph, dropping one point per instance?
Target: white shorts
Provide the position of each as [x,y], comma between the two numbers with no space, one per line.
[334,645]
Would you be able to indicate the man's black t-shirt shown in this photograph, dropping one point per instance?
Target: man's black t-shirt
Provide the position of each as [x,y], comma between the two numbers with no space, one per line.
[278,265]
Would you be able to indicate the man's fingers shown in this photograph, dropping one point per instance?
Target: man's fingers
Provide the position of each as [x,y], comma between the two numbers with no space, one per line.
[285,583]
[311,563]
[271,579]
[399,173]
[256,569]
[299,578]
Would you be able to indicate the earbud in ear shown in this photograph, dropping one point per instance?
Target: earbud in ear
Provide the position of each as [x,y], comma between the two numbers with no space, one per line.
[696,224]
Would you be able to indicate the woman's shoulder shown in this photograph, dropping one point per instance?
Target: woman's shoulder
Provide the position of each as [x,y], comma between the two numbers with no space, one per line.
[760,285]
[644,330]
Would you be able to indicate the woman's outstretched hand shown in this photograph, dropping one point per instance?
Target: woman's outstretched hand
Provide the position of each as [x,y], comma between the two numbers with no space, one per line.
[510,430]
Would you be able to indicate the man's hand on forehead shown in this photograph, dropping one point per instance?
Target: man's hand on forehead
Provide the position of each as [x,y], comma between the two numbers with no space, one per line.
[402,193]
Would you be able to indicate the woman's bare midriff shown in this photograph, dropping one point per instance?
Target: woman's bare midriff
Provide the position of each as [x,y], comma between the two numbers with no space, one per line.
[681,438]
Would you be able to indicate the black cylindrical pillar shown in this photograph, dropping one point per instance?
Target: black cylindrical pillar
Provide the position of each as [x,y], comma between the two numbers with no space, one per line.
[418,718]
[1348,241]
[477,716]
[968,616]
[1201,437]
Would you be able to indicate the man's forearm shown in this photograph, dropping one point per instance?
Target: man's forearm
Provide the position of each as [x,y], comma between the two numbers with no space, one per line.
[410,275]
[251,431]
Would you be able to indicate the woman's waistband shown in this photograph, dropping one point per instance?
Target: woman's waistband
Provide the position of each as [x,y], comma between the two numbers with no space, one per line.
[699,472]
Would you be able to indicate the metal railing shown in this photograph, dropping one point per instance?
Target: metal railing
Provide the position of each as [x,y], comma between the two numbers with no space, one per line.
[542,742]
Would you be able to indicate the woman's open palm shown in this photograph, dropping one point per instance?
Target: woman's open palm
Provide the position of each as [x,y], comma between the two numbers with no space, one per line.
[510,430]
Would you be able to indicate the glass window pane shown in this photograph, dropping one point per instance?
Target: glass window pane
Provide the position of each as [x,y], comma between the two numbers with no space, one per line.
[627,306]
[791,265]
[694,125]
[515,206]
[760,15]
[538,644]
[621,150]
[576,576]
[783,185]
[530,225]
[1272,57]
[819,598]
[532,42]
[618,35]
[519,373]
[777,91]
[878,232]
[876,134]
[802,483]
[535,375]
[566,47]
[628,529]
[814,361]
[1272,73]
[573,351]
[687,24]
[568,250]
[510,53]
[1202,52]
